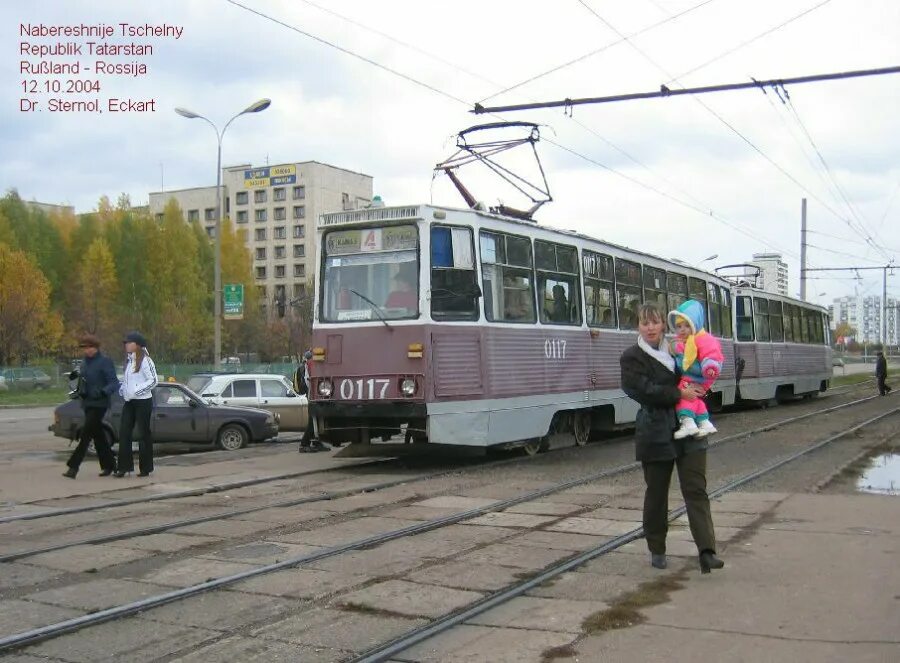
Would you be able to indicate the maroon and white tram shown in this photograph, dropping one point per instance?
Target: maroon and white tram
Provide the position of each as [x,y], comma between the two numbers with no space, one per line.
[461,327]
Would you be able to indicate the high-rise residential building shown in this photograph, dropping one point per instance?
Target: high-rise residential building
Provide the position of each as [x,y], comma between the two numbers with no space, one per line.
[864,315]
[278,207]
[773,276]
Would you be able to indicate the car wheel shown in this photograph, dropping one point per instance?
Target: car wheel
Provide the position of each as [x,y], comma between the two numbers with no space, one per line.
[232,437]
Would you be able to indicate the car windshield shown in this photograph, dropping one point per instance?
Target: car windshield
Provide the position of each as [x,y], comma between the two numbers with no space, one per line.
[196,383]
[371,274]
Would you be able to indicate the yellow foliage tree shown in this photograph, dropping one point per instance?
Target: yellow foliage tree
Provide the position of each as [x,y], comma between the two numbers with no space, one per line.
[95,289]
[28,327]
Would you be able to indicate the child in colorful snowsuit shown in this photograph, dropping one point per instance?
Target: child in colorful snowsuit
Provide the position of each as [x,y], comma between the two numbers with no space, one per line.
[699,356]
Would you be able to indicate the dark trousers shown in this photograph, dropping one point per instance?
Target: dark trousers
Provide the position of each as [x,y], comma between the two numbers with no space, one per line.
[692,477]
[136,412]
[308,434]
[93,430]
[883,387]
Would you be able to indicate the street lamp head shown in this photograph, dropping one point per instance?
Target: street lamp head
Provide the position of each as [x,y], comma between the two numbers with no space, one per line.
[257,106]
[184,112]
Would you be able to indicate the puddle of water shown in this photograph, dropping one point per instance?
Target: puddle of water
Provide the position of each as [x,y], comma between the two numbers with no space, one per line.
[882,476]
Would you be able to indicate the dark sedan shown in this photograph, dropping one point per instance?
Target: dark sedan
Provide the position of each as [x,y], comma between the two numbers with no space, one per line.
[179,415]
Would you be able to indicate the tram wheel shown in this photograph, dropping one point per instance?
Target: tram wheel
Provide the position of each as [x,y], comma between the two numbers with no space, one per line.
[582,427]
[536,446]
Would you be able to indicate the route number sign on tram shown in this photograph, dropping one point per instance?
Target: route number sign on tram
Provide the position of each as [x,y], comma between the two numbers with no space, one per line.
[233,297]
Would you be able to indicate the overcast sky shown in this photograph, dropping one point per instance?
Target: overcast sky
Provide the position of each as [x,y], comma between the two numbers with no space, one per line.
[665,175]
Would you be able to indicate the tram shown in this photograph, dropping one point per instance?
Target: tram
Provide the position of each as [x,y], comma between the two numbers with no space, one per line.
[461,327]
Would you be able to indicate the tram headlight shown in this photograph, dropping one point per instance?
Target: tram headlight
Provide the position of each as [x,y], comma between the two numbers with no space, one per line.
[407,386]
[326,388]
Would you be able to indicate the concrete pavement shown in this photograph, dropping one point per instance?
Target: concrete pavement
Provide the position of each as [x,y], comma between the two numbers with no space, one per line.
[815,579]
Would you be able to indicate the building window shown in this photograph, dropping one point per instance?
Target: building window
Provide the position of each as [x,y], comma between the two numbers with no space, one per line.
[299,211]
[240,198]
[260,234]
[280,233]
[259,196]
[279,271]
[261,253]
[299,192]
[300,271]
[242,216]
[193,215]
[210,213]
[278,194]
[345,201]
[280,214]
[280,253]
[260,214]
[299,251]
[299,288]
[211,231]
[299,232]
[261,295]
[159,218]
[260,272]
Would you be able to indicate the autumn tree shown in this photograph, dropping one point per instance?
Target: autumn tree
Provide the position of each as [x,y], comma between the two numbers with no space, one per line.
[94,292]
[28,327]
[845,330]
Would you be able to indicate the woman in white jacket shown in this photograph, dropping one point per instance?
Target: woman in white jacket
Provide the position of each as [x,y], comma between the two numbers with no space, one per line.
[137,390]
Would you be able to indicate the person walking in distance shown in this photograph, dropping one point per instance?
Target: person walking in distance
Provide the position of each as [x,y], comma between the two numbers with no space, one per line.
[302,384]
[650,377]
[881,374]
[137,390]
[96,383]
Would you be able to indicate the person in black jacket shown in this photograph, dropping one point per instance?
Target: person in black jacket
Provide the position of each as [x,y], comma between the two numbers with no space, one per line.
[97,381]
[650,377]
[881,374]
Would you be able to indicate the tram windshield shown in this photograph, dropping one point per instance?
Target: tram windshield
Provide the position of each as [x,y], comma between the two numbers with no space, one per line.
[371,274]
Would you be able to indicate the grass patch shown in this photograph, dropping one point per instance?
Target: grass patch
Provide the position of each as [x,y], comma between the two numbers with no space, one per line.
[53,396]
[842,380]
[556,653]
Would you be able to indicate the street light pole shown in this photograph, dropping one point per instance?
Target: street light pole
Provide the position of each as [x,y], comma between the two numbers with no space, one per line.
[256,107]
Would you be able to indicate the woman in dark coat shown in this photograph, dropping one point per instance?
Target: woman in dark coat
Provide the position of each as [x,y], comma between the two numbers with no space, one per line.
[649,377]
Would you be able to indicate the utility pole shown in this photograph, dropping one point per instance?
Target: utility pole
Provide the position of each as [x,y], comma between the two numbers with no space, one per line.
[803,249]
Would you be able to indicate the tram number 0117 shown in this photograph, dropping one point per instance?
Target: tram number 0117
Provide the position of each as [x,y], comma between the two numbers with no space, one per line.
[362,390]
[555,348]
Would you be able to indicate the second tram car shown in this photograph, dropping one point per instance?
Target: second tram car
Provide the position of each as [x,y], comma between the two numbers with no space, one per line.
[462,327]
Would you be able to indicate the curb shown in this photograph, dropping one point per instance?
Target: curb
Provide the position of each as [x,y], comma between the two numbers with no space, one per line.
[24,407]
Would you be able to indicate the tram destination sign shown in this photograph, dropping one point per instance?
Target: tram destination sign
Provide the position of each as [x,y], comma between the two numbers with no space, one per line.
[369,240]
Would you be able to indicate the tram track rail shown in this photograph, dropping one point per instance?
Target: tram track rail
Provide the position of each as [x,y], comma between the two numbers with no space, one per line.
[442,624]
[333,495]
[39,634]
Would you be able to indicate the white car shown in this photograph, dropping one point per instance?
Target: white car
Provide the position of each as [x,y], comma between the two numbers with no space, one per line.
[3,385]
[260,390]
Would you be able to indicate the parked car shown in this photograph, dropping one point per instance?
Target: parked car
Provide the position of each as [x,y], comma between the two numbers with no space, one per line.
[837,361]
[3,385]
[268,392]
[26,378]
[179,415]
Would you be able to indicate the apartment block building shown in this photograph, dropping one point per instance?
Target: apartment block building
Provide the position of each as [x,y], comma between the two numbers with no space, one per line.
[277,206]
[773,275]
[864,315]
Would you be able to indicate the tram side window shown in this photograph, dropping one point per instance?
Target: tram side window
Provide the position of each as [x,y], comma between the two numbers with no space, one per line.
[744,311]
[507,277]
[628,293]
[677,290]
[715,310]
[805,324]
[761,319]
[557,274]
[697,291]
[788,327]
[599,291]
[727,331]
[797,323]
[776,328]
[454,293]
[655,287]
